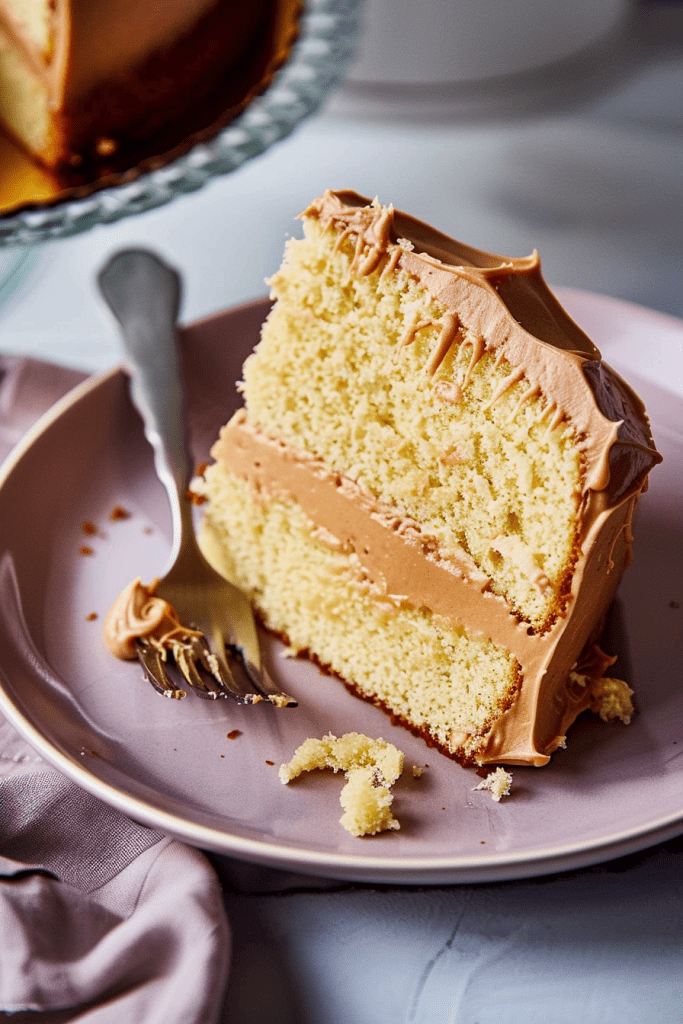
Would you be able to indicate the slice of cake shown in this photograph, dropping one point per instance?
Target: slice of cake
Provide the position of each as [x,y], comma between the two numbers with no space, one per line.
[81,80]
[431,487]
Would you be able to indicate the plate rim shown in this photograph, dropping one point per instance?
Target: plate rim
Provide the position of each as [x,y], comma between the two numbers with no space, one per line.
[421,869]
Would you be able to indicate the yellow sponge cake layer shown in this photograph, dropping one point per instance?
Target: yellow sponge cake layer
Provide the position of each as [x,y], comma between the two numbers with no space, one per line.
[25,104]
[473,460]
[419,666]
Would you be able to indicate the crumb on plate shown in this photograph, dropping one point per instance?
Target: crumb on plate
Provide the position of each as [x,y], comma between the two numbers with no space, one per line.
[611,698]
[371,768]
[498,782]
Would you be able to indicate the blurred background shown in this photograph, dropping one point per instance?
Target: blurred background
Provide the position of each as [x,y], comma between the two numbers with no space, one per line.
[511,126]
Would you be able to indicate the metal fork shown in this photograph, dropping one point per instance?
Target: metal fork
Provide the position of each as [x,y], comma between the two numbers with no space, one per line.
[144,295]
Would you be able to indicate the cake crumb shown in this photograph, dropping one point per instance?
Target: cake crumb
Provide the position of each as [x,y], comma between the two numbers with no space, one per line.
[118,512]
[353,750]
[280,700]
[91,617]
[85,550]
[106,146]
[498,782]
[367,805]
[194,497]
[234,733]
[417,771]
[371,768]
[611,698]
[89,528]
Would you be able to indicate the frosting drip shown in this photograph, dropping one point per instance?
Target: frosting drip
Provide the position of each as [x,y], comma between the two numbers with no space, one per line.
[517,283]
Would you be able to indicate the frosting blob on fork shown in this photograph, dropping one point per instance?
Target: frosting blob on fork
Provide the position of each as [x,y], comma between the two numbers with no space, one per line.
[136,614]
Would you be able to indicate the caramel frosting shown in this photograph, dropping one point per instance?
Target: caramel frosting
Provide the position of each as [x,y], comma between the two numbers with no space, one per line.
[502,306]
[138,614]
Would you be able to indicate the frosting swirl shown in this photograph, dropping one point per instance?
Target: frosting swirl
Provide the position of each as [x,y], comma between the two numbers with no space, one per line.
[138,614]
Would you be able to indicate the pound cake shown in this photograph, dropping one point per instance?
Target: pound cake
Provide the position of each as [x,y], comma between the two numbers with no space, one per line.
[430,489]
[79,79]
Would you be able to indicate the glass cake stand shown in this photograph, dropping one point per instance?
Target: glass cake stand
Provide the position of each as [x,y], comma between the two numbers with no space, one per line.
[316,64]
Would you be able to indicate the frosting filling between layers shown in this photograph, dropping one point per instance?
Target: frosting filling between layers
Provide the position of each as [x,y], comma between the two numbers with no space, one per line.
[406,566]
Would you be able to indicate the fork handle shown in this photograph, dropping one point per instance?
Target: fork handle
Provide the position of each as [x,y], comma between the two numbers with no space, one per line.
[144,295]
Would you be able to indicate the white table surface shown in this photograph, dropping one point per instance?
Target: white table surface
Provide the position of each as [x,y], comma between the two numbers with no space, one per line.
[597,187]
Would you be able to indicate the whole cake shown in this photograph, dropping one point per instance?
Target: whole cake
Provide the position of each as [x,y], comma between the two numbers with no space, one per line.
[82,79]
[431,487]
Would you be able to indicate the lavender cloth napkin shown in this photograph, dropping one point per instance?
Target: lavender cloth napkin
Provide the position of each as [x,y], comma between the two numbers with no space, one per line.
[102,920]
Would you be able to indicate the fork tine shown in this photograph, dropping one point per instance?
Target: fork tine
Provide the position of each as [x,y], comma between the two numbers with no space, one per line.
[153,667]
[217,666]
[205,687]
[263,681]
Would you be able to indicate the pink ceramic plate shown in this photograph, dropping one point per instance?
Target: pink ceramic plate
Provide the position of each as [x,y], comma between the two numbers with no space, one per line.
[172,764]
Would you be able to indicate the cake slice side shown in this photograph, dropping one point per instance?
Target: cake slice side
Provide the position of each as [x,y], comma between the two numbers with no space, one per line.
[460,483]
